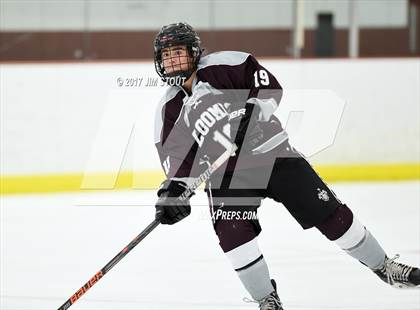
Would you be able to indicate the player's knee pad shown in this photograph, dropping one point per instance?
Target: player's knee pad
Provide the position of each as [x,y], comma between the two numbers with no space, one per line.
[238,240]
[337,224]
[233,233]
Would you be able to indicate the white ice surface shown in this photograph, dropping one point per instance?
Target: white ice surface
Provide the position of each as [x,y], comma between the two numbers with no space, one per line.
[52,244]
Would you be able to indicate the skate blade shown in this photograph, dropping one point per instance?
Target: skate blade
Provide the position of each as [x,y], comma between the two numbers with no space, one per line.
[405,286]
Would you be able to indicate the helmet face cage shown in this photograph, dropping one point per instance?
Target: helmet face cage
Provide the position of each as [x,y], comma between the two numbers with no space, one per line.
[179,34]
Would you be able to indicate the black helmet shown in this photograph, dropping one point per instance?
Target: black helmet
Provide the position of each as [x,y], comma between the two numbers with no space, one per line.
[173,35]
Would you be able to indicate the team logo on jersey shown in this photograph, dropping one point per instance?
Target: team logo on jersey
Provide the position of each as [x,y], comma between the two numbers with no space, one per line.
[323,195]
[196,103]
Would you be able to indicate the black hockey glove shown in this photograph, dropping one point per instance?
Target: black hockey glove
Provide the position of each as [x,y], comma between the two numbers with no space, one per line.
[169,208]
[245,128]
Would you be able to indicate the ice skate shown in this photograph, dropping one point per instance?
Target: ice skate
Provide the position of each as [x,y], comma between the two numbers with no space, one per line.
[270,302]
[398,275]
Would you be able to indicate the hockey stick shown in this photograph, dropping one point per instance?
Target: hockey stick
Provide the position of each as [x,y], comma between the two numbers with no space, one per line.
[198,181]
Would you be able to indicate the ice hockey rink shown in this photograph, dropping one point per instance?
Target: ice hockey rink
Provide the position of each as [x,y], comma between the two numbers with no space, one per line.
[52,244]
[81,95]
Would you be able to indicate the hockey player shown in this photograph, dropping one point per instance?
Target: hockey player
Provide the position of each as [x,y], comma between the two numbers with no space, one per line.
[228,97]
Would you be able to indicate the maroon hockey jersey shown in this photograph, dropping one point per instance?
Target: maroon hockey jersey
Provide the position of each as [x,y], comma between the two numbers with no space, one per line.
[191,129]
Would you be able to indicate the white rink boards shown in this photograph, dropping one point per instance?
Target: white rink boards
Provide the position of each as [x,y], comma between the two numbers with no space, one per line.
[52,244]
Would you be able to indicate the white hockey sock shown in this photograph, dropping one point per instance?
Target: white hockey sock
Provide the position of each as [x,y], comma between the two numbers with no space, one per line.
[256,279]
[359,243]
[252,269]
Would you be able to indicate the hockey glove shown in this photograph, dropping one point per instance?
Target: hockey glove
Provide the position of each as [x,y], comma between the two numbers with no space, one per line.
[245,128]
[169,208]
